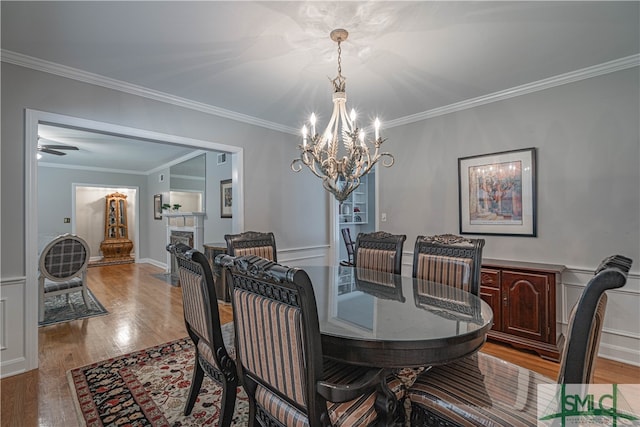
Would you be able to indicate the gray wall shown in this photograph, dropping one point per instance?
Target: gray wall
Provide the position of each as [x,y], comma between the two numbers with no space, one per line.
[588,143]
[273,193]
[55,192]
[215,227]
[154,240]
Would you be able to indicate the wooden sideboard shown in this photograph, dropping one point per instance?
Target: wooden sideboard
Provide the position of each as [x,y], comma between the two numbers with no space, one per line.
[522,296]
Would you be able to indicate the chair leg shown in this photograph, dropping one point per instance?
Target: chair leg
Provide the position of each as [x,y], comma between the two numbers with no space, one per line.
[41,309]
[229,391]
[85,296]
[196,383]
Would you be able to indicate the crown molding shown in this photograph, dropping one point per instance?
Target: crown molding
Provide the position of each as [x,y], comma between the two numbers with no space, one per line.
[96,79]
[562,79]
[91,168]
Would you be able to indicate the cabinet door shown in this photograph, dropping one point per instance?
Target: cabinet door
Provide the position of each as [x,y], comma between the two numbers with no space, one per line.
[526,310]
[490,293]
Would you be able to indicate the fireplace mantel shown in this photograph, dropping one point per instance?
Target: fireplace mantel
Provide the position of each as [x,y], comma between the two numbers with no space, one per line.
[185,221]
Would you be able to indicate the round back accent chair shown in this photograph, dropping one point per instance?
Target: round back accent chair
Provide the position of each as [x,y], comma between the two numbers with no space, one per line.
[63,269]
[214,343]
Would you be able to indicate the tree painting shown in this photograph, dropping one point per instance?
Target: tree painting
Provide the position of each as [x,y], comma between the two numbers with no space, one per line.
[495,193]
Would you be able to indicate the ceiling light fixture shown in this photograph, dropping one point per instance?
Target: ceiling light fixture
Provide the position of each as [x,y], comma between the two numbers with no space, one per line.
[319,152]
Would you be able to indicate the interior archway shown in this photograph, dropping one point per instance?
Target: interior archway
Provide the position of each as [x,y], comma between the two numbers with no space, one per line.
[32,120]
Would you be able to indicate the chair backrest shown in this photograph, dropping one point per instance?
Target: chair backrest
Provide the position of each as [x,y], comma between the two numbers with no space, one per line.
[379,284]
[585,323]
[446,301]
[64,257]
[199,301]
[252,243]
[449,259]
[278,345]
[380,251]
[348,242]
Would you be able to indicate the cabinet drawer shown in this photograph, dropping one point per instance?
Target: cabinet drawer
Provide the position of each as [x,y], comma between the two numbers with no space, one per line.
[490,278]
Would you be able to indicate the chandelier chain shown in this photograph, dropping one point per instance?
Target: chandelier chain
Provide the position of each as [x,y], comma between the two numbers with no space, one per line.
[339,59]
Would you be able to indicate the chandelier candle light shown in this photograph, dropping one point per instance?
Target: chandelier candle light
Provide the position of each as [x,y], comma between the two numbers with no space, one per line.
[319,152]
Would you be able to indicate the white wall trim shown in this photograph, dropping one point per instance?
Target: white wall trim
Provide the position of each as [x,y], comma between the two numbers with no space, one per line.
[562,79]
[32,119]
[305,248]
[153,262]
[98,80]
[619,354]
[109,83]
[12,360]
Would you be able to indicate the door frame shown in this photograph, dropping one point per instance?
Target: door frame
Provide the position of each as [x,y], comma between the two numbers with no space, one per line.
[33,118]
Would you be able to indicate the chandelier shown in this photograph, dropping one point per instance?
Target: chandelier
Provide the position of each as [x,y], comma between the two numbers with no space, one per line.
[321,153]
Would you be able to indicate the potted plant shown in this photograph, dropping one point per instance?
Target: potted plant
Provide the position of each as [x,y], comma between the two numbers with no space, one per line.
[176,207]
[166,207]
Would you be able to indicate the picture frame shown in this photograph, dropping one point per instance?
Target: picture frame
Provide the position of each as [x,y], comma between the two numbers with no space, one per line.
[157,206]
[497,193]
[226,199]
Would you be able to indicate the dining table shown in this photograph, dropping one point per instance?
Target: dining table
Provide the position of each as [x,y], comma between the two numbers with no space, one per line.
[386,320]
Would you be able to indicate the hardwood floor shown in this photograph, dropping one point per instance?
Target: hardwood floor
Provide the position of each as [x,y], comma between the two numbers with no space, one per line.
[144,310]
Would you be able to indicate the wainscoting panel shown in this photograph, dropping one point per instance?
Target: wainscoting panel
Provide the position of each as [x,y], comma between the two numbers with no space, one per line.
[12,327]
[621,332]
[620,339]
[306,256]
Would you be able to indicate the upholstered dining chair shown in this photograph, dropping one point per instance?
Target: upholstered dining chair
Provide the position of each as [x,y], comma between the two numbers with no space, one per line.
[63,269]
[449,259]
[485,390]
[279,352]
[252,243]
[214,343]
[380,251]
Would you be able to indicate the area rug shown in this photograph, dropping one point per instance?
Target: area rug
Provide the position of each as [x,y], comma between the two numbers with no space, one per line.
[58,310]
[148,388]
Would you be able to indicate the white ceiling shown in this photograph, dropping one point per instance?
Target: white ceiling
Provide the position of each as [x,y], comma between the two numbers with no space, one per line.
[271,60]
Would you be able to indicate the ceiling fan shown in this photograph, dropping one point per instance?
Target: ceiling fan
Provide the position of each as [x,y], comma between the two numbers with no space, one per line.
[53,148]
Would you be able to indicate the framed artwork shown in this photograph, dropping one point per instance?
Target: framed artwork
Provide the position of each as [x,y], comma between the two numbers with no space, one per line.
[226,199]
[157,206]
[497,193]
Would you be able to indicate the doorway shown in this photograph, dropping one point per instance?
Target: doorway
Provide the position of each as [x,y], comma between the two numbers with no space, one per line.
[33,119]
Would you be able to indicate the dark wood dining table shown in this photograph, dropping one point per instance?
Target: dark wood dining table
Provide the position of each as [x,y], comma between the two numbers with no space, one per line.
[391,321]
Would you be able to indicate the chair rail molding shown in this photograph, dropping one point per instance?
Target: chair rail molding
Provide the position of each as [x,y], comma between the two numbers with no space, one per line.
[620,340]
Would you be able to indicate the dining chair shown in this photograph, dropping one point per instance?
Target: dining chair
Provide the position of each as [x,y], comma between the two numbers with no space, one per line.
[252,243]
[63,269]
[449,259]
[380,251]
[279,352]
[486,390]
[349,244]
[213,342]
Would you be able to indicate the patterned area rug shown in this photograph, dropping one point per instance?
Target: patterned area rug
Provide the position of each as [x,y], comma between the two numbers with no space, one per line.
[57,310]
[148,388]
